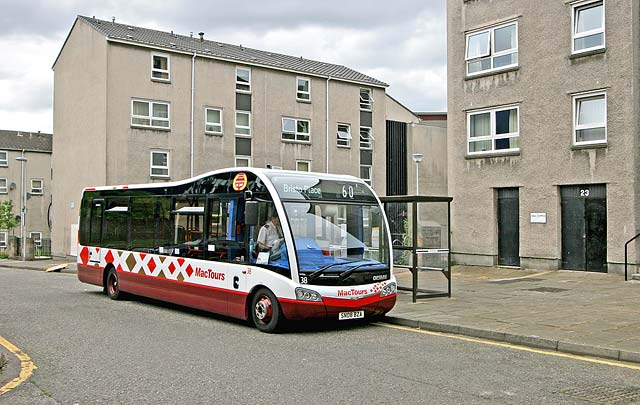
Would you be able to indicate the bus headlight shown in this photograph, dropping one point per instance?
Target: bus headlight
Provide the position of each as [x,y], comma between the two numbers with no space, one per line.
[388,289]
[304,294]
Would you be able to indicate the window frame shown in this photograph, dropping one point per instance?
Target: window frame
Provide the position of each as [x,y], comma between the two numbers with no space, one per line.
[238,83]
[167,71]
[299,92]
[37,190]
[366,106]
[371,138]
[242,126]
[575,8]
[4,162]
[206,123]
[575,100]
[5,189]
[492,54]
[4,239]
[492,136]
[150,117]
[152,166]
[307,162]
[237,157]
[346,143]
[369,181]
[38,241]
[296,134]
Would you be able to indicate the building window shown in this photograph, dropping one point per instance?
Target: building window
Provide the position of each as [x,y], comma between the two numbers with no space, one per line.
[213,121]
[588,26]
[296,130]
[366,173]
[37,186]
[4,158]
[492,49]
[366,101]
[243,123]
[366,138]
[243,79]
[496,130]
[3,185]
[149,114]
[159,164]
[3,239]
[160,67]
[303,88]
[303,165]
[344,135]
[590,118]
[37,238]
[243,161]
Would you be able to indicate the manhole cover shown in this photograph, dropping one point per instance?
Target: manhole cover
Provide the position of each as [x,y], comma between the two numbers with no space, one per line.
[547,289]
[516,280]
[606,394]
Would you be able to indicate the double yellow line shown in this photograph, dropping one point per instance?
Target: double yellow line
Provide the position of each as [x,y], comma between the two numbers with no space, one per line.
[26,366]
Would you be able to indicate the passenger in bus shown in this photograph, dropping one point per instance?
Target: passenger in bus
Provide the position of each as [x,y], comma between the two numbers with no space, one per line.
[269,233]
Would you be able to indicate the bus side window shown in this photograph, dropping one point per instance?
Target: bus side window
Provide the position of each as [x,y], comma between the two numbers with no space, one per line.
[143,210]
[163,227]
[188,222]
[115,223]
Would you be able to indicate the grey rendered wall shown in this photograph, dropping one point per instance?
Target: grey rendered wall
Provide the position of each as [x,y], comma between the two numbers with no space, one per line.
[79,126]
[38,167]
[542,86]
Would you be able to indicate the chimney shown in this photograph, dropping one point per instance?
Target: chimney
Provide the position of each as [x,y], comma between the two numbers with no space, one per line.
[201,36]
[191,34]
[113,19]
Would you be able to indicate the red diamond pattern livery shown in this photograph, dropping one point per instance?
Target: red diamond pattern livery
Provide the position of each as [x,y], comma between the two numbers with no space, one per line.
[152,265]
[84,256]
[189,270]
[109,257]
[172,268]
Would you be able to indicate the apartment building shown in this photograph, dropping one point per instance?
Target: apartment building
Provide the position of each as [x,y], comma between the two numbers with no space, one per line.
[36,148]
[134,105]
[543,132]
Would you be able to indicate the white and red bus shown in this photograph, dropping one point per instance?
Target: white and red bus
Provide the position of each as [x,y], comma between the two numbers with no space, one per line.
[195,243]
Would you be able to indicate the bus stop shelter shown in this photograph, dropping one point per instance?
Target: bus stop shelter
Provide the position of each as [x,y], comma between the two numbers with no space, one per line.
[421,238]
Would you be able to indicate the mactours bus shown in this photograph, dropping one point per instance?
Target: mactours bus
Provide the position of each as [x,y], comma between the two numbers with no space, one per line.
[257,244]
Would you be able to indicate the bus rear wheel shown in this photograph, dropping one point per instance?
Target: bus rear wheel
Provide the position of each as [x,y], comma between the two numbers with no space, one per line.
[112,288]
[265,311]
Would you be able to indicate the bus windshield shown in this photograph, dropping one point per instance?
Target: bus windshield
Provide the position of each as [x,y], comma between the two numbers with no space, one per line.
[338,237]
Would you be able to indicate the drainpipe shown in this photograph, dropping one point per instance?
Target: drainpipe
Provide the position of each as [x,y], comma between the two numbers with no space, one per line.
[327,122]
[193,89]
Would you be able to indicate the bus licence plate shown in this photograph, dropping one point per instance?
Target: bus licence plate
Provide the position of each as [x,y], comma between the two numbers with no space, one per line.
[350,315]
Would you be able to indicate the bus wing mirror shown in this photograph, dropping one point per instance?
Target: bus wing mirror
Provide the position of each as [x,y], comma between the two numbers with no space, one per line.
[251,213]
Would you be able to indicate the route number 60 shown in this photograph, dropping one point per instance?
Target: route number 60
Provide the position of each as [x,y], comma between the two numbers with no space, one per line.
[347,191]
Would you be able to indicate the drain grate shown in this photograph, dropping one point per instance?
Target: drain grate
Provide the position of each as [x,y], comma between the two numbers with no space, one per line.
[516,280]
[605,394]
[547,289]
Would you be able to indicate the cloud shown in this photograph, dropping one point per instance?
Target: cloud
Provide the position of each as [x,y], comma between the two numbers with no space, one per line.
[401,42]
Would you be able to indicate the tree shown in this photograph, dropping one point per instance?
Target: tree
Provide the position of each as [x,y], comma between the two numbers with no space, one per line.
[7,218]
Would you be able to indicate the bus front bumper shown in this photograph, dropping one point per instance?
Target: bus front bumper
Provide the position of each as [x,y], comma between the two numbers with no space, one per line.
[330,307]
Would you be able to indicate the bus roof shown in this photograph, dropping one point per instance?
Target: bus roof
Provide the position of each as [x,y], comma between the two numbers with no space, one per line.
[262,173]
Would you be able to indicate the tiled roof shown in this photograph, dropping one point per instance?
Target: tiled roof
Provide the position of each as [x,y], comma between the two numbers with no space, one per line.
[219,50]
[31,141]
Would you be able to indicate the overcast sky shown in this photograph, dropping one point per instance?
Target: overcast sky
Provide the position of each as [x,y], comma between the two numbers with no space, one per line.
[401,42]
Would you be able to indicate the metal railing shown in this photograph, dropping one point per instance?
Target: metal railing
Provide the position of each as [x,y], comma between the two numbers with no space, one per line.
[626,245]
[42,249]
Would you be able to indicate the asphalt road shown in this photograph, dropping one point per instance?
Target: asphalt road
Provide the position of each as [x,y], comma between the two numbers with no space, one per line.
[89,349]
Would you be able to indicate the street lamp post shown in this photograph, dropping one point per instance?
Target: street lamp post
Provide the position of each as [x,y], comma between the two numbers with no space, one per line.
[417,157]
[23,208]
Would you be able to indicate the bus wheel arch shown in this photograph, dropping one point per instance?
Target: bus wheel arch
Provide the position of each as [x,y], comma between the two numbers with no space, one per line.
[264,310]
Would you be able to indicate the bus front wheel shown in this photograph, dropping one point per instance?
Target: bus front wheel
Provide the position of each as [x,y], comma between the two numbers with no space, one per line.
[265,311]
[112,287]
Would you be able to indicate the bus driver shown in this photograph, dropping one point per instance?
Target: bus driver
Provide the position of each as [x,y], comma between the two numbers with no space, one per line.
[269,233]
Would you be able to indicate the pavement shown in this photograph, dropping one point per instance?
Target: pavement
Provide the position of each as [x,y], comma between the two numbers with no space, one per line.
[591,314]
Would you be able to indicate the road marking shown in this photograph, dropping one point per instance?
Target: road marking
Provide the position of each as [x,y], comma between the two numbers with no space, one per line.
[527,276]
[26,366]
[612,363]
